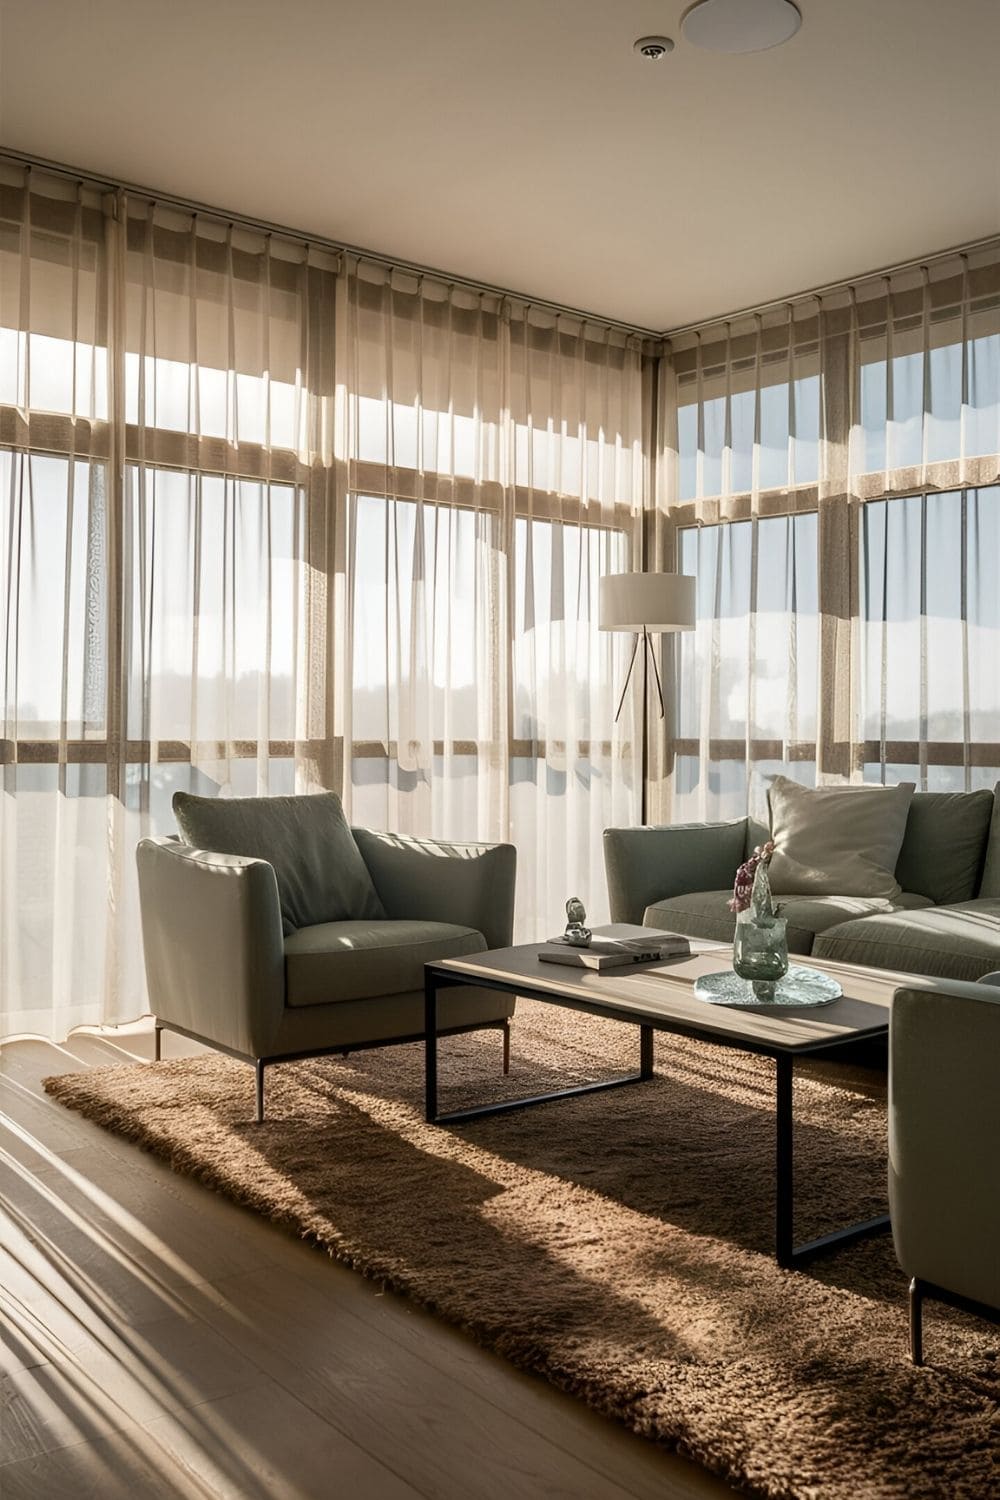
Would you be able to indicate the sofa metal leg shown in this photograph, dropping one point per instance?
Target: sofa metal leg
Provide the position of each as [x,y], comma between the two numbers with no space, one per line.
[916,1322]
[259,1071]
[506,1047]
[157,1034]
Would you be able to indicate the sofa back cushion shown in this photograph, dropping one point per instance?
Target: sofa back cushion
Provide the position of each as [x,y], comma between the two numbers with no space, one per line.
[945,845]
[837,841]
[990,883]
[308,842]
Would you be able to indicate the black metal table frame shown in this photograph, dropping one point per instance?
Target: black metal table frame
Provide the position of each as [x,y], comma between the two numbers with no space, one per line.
[787,1253]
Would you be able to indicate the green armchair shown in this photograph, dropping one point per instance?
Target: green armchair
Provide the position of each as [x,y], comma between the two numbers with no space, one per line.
[226,966]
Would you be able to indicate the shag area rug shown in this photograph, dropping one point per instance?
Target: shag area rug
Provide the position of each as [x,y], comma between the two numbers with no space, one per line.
[619,1244]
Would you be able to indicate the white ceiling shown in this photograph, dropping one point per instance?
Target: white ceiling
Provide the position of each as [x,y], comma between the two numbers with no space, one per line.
[521,142]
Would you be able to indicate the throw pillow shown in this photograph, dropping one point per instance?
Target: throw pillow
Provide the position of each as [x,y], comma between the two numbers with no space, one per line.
[321,874]
[836,841]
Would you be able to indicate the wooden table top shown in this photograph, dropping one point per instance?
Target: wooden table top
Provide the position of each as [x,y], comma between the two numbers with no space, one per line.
[662,995]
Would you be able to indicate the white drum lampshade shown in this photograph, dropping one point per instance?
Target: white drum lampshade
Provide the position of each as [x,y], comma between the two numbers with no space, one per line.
[650,602]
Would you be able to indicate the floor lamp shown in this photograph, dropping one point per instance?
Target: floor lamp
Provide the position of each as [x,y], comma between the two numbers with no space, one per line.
[646,604]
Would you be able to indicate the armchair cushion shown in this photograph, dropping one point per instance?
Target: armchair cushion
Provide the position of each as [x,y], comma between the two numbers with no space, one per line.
[306,840]
[363,960]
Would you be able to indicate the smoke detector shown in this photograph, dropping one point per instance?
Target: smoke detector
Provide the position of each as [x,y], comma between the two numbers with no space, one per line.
[652,48]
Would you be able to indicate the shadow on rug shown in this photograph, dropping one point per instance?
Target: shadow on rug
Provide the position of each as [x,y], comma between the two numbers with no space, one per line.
[621,1244]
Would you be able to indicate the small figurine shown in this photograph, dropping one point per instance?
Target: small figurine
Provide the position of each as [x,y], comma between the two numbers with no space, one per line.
[576,934]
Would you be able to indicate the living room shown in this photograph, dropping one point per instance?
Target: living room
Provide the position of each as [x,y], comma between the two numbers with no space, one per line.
[500,532]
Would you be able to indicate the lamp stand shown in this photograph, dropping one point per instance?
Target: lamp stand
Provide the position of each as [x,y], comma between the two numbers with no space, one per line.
[648,655]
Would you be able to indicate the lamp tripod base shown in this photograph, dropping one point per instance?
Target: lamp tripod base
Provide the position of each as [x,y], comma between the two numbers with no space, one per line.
[648,656]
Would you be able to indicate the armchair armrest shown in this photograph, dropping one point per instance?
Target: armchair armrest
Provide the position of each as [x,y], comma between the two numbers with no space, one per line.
[214,951]
[468,884]
[944,1135]
[645,865]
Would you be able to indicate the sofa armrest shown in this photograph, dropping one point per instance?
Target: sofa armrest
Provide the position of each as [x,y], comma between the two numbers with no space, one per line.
[944,1135]
[213,944]
[646,865]
[471,885]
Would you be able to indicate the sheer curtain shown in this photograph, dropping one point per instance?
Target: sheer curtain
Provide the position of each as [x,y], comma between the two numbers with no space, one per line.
[492,470]
[829,472]
[56,463]
[166,455]
[276,522]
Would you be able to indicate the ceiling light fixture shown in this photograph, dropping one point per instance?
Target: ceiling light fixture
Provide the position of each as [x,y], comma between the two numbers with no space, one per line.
[740,25]
[652,48]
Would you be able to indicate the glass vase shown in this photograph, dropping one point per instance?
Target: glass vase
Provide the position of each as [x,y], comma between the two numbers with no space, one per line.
[760,944]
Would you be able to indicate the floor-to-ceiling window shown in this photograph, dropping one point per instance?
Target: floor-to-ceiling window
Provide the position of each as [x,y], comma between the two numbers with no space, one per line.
[832,471]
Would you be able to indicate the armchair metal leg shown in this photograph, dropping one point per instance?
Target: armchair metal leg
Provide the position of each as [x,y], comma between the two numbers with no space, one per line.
[506,1047]
[157,1034]
[916,1322]
[259,1070]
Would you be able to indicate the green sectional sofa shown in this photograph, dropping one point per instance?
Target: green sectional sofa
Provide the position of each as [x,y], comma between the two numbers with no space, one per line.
[945,923]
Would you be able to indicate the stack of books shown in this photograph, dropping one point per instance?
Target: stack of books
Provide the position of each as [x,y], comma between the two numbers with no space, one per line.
[614,953]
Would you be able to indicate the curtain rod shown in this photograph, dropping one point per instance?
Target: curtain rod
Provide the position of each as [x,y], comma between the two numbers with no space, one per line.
[191,205]
[843,284]
[323,242]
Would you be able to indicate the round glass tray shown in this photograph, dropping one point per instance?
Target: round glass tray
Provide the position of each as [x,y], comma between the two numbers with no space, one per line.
[799,987]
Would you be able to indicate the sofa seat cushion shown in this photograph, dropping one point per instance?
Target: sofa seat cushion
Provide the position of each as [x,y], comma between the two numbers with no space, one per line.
[706,915]
[363,960]
[811,915]
[949,942]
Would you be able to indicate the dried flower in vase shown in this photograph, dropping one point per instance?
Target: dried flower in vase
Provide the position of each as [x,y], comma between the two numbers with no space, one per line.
[743,885]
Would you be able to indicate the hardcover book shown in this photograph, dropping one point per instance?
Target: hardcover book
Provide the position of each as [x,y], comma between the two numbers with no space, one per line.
[614,953]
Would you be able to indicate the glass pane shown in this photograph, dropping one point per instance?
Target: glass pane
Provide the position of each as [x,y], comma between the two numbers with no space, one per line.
[750,666]
[748,674]
[54,596]
[216,606]
[931,621]
[787,452]
[562,662]
[421,574]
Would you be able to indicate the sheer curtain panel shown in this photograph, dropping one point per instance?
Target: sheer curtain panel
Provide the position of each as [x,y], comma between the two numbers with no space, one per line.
[58,952]
[829,471]
[274,521]
[166,452]
[492,468]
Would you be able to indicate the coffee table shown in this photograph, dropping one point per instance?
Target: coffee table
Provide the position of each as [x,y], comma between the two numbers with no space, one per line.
[660,997]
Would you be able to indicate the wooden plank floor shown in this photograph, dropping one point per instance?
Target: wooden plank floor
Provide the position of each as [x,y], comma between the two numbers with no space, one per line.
[160,1341]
